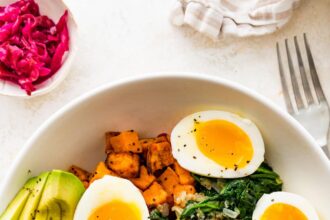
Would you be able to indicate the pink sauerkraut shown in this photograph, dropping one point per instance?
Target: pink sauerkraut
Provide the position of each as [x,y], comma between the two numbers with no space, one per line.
[32,46]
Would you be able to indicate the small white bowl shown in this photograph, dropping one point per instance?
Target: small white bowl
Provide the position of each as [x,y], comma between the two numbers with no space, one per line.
[53,9]
[154,104]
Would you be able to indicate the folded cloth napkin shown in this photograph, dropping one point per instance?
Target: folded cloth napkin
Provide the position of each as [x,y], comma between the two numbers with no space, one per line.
[242,18]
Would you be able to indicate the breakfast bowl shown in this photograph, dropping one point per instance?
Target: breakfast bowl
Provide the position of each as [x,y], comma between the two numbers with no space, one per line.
[153,104]
[55,10]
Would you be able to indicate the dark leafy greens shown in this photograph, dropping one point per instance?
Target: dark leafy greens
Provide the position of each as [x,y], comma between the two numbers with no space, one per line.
[231,199]
[156,215]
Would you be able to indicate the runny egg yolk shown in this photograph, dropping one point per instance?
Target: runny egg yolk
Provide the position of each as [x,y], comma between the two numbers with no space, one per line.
[281,211]
[224,142]
[116,210]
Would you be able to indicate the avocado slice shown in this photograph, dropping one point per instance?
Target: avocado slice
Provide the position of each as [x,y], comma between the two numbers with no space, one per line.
[32,203]
[64,190]
[42,214]
[15,207]
[54,212]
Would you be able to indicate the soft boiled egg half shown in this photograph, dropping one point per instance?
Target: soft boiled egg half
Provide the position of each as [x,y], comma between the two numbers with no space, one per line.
[218,144]
[112,198]
[283,205]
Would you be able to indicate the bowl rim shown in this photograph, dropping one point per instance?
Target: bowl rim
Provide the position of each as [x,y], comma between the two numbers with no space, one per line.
[162,75]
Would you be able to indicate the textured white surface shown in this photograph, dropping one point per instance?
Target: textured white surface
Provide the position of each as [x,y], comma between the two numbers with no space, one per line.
[128,37]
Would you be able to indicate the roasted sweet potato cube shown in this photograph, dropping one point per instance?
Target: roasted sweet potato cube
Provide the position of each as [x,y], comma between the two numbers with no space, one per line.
[100,171]
[124,164]
[168,180]
[86,184]
[155,195]
[144,180]
[159,156]
[181,192]
[82,174]
[145,143]
[163,136]
[184,175]
[108,136]
[126,141]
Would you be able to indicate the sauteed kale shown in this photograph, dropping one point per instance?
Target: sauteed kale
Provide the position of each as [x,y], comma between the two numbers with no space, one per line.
[227,199]
[156,215]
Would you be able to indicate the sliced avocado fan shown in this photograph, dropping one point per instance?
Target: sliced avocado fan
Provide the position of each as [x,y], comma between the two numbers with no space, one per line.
[52,195]
[60,197]
[54,211]
[16,206]
[32,203]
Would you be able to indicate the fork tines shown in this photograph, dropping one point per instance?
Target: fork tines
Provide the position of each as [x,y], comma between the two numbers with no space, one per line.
[306,86]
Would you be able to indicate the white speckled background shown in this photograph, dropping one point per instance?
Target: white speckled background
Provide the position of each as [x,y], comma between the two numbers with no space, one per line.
[128,37]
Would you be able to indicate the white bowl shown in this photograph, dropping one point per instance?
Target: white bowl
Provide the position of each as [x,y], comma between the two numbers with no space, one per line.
[53,9]
[154,104]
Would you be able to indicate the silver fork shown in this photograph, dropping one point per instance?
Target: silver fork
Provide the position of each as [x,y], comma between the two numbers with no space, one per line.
[312,114]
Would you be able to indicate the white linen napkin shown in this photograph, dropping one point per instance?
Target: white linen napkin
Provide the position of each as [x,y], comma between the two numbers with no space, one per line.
[242,18]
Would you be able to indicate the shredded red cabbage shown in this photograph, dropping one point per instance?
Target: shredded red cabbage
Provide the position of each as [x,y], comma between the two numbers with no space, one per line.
[32,46]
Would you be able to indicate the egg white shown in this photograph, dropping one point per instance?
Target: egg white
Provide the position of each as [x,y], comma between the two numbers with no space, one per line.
[287,198]
[185,149]
[107,189]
